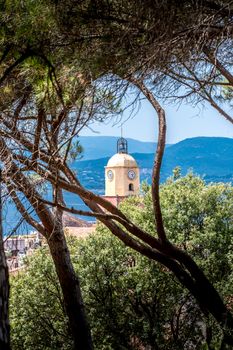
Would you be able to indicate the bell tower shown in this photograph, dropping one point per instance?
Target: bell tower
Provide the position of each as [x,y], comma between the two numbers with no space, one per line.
[122,176]
[122,145]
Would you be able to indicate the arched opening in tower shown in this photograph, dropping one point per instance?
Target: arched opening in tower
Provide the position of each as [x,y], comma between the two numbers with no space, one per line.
[131,188]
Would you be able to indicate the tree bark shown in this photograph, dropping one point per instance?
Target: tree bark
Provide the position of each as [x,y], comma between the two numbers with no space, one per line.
[4,290]
[204,292]
[4,304]
[70,286]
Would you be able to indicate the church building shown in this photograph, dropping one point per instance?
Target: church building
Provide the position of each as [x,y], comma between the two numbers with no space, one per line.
[122,177]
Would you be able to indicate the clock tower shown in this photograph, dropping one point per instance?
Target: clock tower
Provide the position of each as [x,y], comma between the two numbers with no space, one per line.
[122,176]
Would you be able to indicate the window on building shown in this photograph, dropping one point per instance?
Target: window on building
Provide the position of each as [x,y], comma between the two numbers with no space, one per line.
[131,187]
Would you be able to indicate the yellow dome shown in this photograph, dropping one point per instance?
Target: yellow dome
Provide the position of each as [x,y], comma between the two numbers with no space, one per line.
[122,160]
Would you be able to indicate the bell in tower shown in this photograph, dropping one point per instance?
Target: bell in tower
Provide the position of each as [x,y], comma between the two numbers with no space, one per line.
[122,146]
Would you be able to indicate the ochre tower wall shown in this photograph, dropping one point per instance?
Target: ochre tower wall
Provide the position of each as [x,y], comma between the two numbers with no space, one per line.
[121,184]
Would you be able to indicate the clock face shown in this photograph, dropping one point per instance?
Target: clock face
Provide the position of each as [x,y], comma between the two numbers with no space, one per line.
[110,174]
[131,174]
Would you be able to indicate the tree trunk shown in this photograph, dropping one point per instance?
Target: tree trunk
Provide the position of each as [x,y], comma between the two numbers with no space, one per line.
[4,297]
[4,290]
[205,293]
[70,286]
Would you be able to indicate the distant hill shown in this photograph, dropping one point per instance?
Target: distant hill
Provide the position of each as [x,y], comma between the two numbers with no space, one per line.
[105,146]
[210,157]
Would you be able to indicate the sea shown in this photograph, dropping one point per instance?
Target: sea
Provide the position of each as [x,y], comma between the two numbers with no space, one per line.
[14,224]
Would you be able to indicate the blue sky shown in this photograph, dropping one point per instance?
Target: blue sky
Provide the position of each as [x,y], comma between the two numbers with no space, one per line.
[182,122]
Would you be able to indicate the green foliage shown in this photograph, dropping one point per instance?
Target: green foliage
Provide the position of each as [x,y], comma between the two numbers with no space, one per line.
[197,217]
[38,182]
[37,314]
[28,23]
[130,300]
[176,172]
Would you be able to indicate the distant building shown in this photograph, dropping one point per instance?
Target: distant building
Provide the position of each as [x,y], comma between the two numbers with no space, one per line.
[122,176]
[20,243]
[18,247]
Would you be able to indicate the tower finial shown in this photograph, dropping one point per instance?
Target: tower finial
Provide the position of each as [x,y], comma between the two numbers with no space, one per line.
[122,145]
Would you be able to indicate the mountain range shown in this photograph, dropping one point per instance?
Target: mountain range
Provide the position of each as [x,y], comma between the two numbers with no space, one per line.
[95,147]
[209,157]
